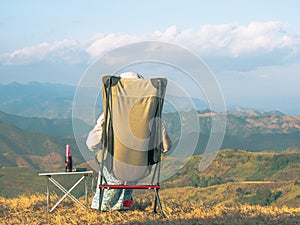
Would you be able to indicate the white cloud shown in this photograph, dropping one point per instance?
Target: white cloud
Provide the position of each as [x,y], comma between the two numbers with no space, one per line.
[226,40]
[66,50]
[258,37]
[109,42]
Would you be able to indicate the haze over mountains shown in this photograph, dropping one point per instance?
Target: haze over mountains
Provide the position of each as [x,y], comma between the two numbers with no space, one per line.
[48,100]
[37,99]
[35,121]
[43,111]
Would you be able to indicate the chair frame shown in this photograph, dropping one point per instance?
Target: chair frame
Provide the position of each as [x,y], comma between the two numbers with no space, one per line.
[155,185]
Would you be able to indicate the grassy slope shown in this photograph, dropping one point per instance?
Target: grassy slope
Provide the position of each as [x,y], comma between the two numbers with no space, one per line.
[182,210]
[237,199]
[239,165]
[238,176]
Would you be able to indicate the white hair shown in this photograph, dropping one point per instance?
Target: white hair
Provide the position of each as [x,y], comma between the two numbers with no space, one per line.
[130,75]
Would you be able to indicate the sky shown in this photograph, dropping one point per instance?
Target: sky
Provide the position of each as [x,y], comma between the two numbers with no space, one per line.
[251,47]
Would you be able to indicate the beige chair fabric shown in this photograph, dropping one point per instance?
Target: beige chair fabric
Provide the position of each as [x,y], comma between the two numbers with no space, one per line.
[132,110]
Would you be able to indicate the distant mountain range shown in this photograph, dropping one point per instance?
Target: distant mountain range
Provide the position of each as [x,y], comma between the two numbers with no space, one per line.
[30,141]
[35,122]
[53,101]
[52,127]
[20,148]
[37,99]
[245,129]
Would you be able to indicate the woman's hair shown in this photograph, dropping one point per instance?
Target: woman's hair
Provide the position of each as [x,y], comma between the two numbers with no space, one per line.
[131,75]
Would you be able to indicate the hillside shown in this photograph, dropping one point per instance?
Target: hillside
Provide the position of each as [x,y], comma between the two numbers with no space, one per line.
[239,187]
[37,99]
[255,122]
[242,123]
[238,176]
[245,129]
[35,150]
[239,165]
[52,127]
[43,108]
[25,140]
[39,143]
[234,177]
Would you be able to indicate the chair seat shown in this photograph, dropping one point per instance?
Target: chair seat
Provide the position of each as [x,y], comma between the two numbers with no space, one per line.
[124,186]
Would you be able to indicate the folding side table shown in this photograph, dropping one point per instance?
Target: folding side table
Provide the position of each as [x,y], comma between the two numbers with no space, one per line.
[67,193]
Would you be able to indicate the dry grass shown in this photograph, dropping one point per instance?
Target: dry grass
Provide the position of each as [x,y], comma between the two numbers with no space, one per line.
[31,210]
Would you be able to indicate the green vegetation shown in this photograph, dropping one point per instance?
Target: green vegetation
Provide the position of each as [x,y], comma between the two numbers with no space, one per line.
[240,165]
[261,197]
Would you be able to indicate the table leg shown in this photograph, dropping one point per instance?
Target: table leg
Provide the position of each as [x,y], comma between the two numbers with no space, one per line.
[86,191]
[67,193]
[48,195]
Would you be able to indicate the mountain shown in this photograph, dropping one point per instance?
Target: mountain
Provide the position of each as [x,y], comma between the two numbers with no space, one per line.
[247,129]
[52,127]
[21,148]
[242,177]
[232,165]
[47,100]
[260,131]
[42,111]
[24,141]
[37,99]
[263,142]
[248,122]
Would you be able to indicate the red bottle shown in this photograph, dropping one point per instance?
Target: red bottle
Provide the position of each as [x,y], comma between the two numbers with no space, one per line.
[68,159]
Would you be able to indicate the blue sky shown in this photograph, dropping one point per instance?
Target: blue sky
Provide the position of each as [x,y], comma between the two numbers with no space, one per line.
[252,47]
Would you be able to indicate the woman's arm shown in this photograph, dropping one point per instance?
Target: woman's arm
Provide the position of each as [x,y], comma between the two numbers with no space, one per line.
[167,143]
[94,139]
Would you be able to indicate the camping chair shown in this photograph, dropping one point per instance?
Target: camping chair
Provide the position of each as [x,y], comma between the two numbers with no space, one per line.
[132,133]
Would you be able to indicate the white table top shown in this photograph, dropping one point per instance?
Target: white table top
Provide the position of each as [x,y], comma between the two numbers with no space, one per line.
[65,173]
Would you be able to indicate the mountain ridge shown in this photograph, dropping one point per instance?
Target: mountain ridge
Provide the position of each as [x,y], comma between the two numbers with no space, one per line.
[250,130]
[53,127]
[36,99]
[26,149]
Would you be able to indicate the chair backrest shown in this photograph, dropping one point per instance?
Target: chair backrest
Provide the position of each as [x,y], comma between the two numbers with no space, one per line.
[132,138]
